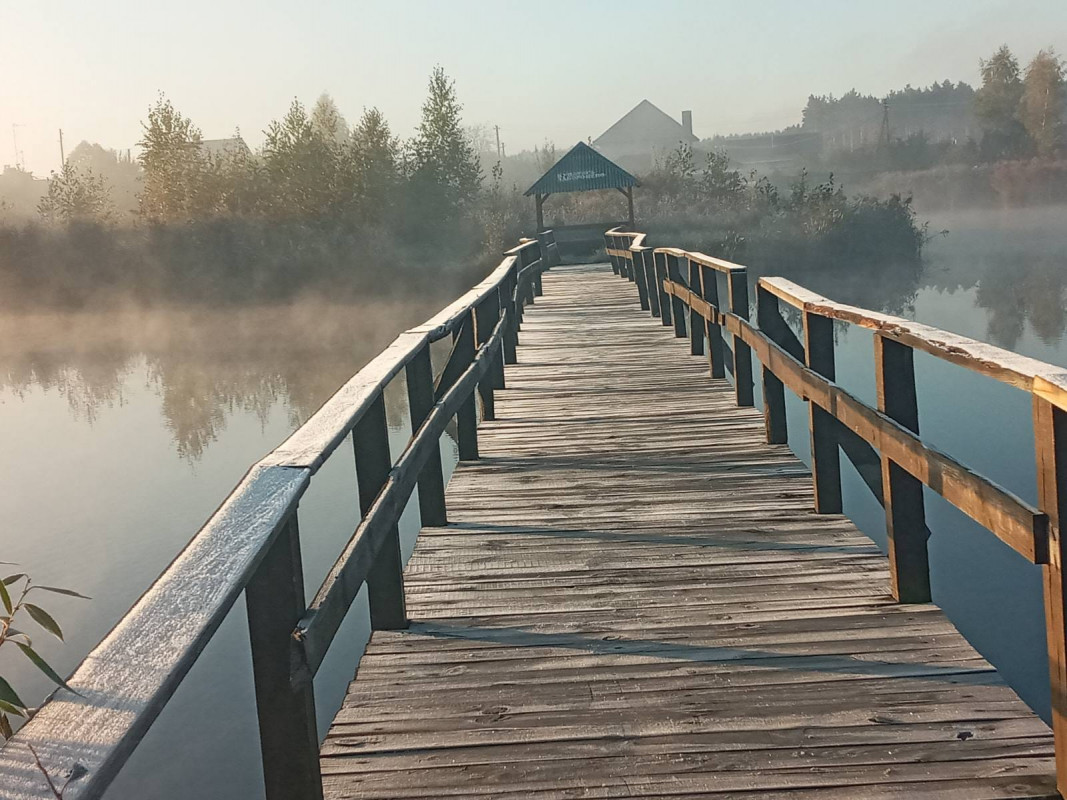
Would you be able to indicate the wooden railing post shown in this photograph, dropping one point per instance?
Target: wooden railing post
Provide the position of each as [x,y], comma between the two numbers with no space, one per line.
[825,456]
[768,316]
[696,322]
[674,271]
[511,325]
[531,280]
[611,243]
[419,375]
[905,511]
[737,285]
[536,290]
[486,316]
[467,417]
[637,266]
[288,734]
[1050,443]
[664,298]
[648,266]
[385,583]
[709,290]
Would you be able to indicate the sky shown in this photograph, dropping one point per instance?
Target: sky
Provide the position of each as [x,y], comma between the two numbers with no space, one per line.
[546,70]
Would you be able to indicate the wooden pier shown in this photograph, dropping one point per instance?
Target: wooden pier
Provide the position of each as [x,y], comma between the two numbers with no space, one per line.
[635,598]
[630,587]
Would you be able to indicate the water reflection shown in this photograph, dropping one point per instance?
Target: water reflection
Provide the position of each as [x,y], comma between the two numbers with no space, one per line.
[204,366]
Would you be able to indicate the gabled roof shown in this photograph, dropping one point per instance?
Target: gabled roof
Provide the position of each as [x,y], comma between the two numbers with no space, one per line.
[582,169]
[224,147]
[644,122]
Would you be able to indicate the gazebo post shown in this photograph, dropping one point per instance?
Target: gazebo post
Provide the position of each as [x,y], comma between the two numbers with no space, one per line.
[630,204]
[540,198]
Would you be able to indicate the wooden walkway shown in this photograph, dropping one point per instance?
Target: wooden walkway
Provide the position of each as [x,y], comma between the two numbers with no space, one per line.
[635,599]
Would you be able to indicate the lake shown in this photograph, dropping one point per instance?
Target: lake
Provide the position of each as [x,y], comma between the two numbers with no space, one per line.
[122,432]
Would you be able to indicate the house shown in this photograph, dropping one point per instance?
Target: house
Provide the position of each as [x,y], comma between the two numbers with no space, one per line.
[644,135]
[219,148]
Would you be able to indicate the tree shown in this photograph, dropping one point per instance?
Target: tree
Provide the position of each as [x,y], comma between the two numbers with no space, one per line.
[373,156]
[445,167]
[300,166]
[121,172]
[327,121]
[996,105]
[173,162]
[76,195]
[1042,104]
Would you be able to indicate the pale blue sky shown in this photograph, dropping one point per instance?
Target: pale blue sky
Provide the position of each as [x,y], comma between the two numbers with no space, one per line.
[549,69]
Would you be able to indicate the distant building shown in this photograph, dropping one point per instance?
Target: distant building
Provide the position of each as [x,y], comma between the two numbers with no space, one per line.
[644,135]
[20,192]
[216,148]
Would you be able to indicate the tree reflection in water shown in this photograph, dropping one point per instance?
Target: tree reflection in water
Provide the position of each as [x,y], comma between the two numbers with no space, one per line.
[203,364]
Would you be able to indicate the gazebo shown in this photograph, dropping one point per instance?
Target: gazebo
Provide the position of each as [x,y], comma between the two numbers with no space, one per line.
[583,169]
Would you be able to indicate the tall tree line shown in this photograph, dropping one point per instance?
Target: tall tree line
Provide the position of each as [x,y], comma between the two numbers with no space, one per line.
[313,166]
[1015,113]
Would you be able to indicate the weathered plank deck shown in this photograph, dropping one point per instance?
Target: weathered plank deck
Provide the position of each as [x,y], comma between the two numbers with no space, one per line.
[634,598]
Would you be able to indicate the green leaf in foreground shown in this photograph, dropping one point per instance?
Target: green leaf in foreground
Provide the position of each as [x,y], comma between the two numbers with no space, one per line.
[9,695]
[5,597]
[5,727]
[10,579]
[42,665]
[45,620]
[11,708]
[57,590]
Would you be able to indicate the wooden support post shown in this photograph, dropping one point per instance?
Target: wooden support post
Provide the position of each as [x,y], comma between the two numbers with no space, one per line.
[825,456]
[638,266]
[611,242]
[533,278]
[709,290]
[385,583]
[628,262]
[630,206]
[540,200]
[419,375]
[737,285]
[288,735]
[486,316]
[696,322]
[674,271]
[770,322]
[467,417]
[1050,442]
[905,512]
[648,265]
[511,326]
[664,298]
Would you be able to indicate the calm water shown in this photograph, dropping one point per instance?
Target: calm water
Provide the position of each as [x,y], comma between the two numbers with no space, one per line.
[122,434]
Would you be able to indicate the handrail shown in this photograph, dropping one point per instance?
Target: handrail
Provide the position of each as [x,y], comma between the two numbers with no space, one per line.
[251,544]
[886,438]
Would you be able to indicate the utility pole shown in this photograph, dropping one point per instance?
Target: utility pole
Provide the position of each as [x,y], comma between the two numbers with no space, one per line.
[62,154]
[15,142]
[883,136]
[499,152]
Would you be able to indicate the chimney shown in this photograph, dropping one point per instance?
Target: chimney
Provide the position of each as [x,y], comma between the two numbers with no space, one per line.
[687,122]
